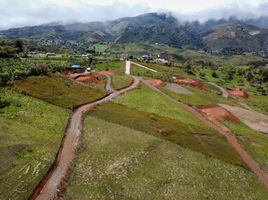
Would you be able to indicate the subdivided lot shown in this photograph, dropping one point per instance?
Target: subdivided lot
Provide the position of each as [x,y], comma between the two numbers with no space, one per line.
[254,142]
[259,103]
[199,97]
[121,81]
[58,90]
[138,71]
[110,64]
[31,131]
[120,163]
[193,136]
[148,100]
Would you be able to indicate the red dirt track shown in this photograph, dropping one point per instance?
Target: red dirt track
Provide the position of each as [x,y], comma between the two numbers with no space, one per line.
[52,183]
[213,116]
[188,81]
[232,140]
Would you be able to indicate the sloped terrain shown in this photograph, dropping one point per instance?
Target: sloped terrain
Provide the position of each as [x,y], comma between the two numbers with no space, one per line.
[31,131]
[120,163]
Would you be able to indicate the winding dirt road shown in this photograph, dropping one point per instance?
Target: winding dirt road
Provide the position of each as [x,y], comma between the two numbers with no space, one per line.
[232,140]
[51,184]
[224,93]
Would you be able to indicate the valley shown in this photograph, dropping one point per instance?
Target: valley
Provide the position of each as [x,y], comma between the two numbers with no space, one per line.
[143,107]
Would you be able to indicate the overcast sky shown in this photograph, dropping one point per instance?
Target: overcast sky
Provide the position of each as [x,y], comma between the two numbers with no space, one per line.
[17,13]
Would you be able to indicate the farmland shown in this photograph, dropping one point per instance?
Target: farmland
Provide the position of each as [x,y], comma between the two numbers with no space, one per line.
[121,81]
[31,131]
[65,93]
[121,163]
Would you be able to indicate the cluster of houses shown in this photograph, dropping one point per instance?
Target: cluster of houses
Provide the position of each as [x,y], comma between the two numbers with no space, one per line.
[161,58]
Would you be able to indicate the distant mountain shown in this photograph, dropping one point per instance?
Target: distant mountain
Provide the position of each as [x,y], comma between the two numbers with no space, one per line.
[221,36]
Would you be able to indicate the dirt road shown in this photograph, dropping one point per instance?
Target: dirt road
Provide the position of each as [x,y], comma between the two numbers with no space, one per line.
[224,93]
[108,86]
[52,182]
[250,162]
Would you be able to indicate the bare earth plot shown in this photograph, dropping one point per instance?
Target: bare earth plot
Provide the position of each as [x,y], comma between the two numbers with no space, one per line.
[177,88]
[254,120]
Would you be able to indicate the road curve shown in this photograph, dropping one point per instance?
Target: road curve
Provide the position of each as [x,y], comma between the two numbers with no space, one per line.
[224,93]
[52,182]
[108,86]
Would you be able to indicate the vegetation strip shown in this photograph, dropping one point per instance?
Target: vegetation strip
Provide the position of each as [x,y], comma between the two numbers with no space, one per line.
[70,145]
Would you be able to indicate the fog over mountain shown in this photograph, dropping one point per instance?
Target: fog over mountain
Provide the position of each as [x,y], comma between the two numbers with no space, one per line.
[36,12]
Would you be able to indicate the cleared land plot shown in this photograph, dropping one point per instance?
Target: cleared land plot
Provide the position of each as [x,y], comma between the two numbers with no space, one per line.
[254,142]
[195,137]
[58,90]
[254,120]
[30,135]
[199,97]
[173,87]
[121,81]
[121,163]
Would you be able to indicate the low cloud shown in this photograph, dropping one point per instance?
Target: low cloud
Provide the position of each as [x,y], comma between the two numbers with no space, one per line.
[18,13]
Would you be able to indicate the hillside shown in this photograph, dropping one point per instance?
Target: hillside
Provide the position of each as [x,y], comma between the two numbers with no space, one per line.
[222,36]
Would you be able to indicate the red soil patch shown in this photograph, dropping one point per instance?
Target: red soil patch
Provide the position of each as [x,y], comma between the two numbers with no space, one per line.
[107,72]
[157,83]
[188,81]
[89,78]
[239,92]
[218,113]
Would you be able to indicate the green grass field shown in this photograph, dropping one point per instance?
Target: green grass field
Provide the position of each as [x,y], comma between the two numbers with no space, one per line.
[110,64]
[58,90]
[121,81]
[147,100]
[120,163]
[31,131]
[199,97]
[201,139]
[254,142]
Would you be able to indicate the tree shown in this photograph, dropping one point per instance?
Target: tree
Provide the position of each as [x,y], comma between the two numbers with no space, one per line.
[215,75]
[19,46]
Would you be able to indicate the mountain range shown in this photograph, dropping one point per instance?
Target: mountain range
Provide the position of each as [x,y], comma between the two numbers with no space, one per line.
[231,36]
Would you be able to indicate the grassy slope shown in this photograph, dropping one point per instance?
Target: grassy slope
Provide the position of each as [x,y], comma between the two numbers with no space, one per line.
[58,90]
[254,142]
[110,64]
[194,137]
[120,163]
[198,98]
[145,99]
[31,131]
[121,81]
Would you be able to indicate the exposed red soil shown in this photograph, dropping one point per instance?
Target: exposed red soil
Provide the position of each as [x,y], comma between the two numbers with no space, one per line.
[246,157]
[227,133]
[89,78]
[107,72]
[51,184]
[218,113]
[189,81]
[239,92]
[157,83]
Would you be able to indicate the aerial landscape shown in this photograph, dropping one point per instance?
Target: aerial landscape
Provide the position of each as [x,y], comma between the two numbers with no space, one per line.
[133,100]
